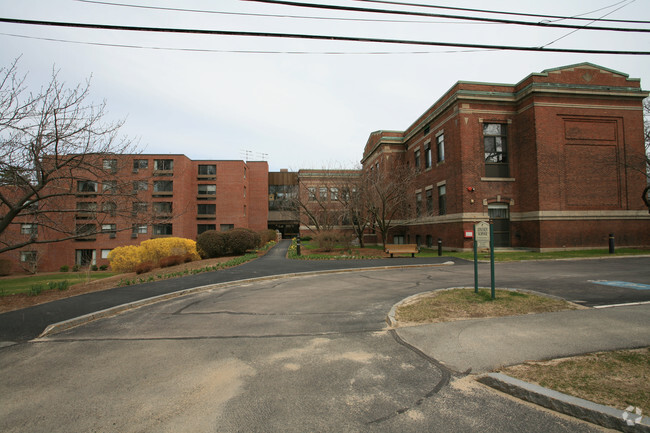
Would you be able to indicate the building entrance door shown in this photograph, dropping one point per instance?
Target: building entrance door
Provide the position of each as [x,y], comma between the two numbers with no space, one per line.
[86,257]
[500,217]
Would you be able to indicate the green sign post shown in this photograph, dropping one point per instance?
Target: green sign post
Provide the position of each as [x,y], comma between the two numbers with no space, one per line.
[484,239]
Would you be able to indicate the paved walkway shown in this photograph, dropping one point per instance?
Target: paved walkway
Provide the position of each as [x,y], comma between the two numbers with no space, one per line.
[26,324]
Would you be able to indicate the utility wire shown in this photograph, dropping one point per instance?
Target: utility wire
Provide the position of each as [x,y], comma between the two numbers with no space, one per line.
[248,14]
[436,15]
[314,37]
[521,14]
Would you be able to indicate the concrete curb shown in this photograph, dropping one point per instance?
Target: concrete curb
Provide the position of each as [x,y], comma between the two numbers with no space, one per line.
[576,407]
[55,328]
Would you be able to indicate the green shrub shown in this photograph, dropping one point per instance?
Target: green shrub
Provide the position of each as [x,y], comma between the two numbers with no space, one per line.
[211,244]
[267,236]
[143,267]
[241,240]
[58,285]
[94,267]
[76,268]
[36,289]
[103,267]
[5,267]
[327,240]
[64,268]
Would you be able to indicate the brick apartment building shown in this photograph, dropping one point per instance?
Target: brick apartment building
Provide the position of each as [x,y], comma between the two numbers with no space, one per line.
[554,161]
[170,195]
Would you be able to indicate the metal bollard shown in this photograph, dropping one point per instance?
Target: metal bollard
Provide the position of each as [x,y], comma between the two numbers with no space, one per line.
[439,247]
[611,243]
[298,244]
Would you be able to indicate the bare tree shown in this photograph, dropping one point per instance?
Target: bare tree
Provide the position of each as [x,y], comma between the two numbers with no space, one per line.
[353,200]
[59,163]
[387,198]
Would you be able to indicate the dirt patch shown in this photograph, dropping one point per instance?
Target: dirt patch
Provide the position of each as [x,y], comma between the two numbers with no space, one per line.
[19,301]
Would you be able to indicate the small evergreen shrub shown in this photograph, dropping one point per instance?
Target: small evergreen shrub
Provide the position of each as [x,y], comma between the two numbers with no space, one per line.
[5,267]
[64,268]
[76,268]
[143,267]
[212,243]
[94,267]
[103,267]
[241,240]
[267,236]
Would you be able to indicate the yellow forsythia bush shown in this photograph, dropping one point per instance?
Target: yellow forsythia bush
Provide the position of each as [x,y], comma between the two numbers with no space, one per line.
[125,259]
[155,249]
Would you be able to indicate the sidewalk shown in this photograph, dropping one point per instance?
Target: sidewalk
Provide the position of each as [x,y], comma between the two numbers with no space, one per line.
[483,345]
[26,324]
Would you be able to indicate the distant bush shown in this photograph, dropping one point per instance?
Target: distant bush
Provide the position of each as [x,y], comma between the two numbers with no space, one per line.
[125,259]
[94,268]
[5,267]
[327,240]
[267,236]
[155,249]
[64,268]
[143,267]
[211,244]
[103,267]
[241,240]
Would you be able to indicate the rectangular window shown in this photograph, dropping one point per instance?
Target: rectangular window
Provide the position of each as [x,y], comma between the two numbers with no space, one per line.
[322,193]
[334,194]
[139,229]
[398,239]
[86,230]
[162,207]
[86,186]
[139,207]
[496,150]
[28,229]
[105,253]
[164,186]
[440,140]
[163,164]
[200,228]
[110,165]
[140,164]
[226,227]
[442,200]
[312,193]
[427,155]
[109,228]
[85,257]
[206,209]
[109,208]
[429,195]
[426,130]
[162,229]
[418,204]
[417,159]
[109,186]
[140,185]
[429,241]
[28,256]
[208,170]
[86,210]
[207,189]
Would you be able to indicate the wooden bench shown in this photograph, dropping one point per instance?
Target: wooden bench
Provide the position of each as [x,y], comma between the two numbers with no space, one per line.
[411,249]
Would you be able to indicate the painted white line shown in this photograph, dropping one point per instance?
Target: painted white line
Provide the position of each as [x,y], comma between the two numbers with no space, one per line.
[622,305]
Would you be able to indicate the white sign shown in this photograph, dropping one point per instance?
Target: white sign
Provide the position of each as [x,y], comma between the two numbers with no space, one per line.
[482,230]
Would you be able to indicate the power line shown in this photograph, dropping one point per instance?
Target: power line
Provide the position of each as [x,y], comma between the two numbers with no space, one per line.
[248,14]
[315,37]
[521,14]
[212,50]
[436,15]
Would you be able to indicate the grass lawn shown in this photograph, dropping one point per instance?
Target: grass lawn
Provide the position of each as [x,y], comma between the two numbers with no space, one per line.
[459,304]
[10,286]
[618,379]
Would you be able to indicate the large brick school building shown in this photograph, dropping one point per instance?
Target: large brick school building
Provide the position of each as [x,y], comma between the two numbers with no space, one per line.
[554,161]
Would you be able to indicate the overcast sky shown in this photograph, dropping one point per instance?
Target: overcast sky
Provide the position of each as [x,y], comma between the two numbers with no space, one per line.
[215,97]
